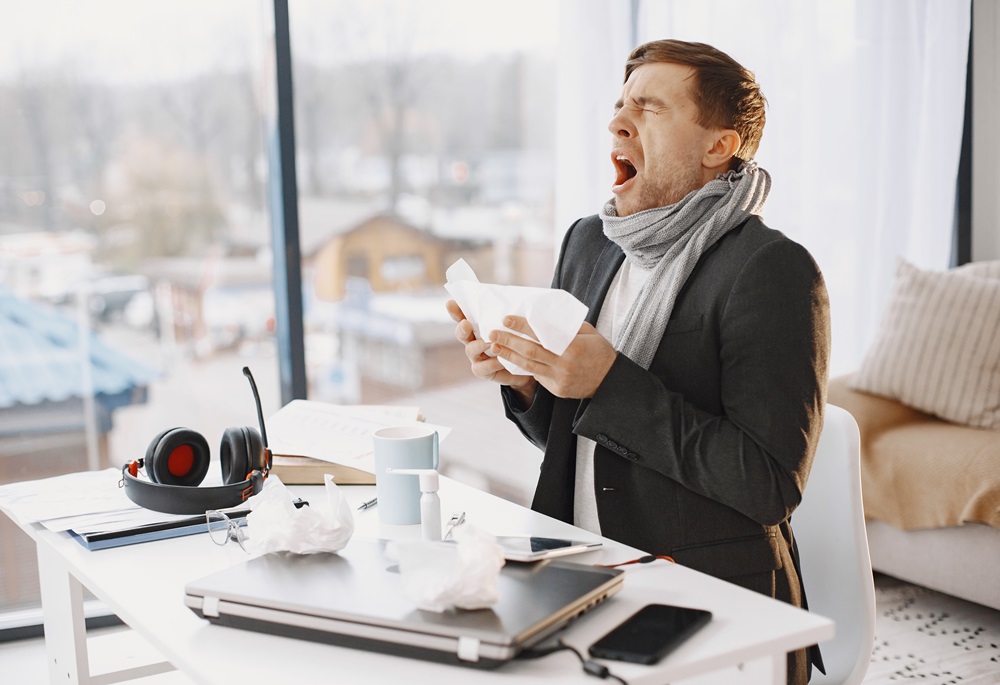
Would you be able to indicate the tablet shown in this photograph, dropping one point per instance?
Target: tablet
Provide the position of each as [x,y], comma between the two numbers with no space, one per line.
[533,548]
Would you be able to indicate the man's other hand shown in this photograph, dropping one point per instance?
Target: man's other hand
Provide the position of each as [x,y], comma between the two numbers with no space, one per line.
[575,374]
[485,365]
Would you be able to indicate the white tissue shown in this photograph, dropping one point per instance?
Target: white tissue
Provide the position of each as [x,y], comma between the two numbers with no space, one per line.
[438,576]
[554,315]
[275,525]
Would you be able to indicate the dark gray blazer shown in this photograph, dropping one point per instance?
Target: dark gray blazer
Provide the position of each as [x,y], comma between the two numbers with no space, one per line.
[704,456]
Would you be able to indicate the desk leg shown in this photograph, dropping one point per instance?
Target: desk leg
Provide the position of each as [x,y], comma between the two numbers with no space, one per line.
[765,670]
[65,628]
[771,669]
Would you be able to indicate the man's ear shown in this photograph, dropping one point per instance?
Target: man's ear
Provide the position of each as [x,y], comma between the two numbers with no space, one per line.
[724,148]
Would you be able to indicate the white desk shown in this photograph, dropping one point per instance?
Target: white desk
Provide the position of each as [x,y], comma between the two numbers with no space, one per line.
[144,584]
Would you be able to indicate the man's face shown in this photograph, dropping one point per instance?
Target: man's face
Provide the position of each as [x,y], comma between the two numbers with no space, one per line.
[658,148]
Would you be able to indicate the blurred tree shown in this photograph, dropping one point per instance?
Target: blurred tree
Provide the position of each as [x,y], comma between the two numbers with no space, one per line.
[40,123]
[164,203]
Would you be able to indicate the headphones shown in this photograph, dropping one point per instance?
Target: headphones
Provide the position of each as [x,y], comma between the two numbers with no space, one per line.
[177,460]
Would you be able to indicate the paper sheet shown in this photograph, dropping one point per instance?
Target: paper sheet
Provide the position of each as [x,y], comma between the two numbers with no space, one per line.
[554,315]
[73,494]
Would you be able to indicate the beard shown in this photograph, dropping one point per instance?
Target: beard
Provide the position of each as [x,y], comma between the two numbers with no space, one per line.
[661,189]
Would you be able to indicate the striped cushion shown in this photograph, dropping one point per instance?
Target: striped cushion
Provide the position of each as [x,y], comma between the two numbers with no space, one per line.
[938,346]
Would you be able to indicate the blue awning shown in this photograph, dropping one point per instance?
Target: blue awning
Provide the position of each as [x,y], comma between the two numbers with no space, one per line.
[41,360]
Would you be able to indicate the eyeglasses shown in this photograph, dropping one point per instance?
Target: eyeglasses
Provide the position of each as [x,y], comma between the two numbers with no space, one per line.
[454,522]
[222,529]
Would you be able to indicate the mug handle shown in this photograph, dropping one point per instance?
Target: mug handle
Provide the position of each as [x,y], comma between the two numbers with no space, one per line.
[435,451]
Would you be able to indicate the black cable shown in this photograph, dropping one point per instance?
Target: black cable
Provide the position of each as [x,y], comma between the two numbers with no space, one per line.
[590,667]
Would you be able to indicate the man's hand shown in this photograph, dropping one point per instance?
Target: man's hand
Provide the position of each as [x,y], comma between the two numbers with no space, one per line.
[575,374]
[487,366]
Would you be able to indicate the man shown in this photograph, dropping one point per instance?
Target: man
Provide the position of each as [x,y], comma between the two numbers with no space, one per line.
[683,418]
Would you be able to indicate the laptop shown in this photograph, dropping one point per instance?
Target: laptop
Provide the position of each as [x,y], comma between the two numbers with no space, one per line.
[355,599]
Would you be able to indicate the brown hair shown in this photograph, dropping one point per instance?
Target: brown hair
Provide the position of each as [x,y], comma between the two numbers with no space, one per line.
[727,95]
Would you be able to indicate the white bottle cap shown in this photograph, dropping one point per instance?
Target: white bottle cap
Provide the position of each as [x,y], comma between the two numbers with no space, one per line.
[428,477]
[428,480]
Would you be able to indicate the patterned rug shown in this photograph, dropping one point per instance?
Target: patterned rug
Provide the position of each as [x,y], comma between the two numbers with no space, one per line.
[928,637]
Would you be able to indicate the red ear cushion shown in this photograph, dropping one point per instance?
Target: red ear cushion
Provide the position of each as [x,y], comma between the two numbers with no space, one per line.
[180,461]
[178,456]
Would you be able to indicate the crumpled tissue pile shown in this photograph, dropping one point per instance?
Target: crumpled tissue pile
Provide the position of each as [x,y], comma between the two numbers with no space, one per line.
[275,525]
[441,575]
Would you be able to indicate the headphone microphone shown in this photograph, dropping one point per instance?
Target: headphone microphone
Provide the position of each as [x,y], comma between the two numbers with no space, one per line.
[260,414]
[177,461]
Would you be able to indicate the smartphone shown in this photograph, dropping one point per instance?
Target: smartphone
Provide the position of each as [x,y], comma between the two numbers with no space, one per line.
[650,634]
[534,548]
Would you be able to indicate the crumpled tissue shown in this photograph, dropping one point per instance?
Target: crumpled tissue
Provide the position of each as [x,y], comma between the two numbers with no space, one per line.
[438,576]
[554,315]
[275,525]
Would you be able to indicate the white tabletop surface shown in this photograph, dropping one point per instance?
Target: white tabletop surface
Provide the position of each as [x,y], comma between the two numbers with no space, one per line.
[144,585]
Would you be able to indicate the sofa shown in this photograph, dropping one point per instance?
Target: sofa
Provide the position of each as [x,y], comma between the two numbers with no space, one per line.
[926,398]
[931,491]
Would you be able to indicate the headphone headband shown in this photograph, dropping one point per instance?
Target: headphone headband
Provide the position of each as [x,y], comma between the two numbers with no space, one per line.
[177,460]
[182,499]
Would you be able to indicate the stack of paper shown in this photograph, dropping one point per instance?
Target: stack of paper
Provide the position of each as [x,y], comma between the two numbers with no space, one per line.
[92,508]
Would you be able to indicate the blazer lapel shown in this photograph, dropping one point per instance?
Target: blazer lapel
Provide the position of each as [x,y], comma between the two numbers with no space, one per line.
[608,261]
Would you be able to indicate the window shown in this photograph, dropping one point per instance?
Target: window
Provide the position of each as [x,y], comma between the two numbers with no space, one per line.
[135,264]
[403,268]
[134,214]
[425,133]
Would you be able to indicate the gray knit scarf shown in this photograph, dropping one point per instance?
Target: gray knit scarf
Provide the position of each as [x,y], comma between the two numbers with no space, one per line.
[670,241]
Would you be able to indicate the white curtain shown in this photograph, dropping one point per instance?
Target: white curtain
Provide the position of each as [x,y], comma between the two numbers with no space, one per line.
[865,110]
[595,37]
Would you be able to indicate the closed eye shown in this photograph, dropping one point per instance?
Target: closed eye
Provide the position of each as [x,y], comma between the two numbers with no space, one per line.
[647,104]
[641,103]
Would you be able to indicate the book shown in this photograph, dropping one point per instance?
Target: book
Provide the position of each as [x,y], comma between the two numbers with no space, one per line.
[295,470]
[147,533]
[309,439]
[97,537]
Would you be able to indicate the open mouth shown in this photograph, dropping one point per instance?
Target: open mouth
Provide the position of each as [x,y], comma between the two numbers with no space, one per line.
[624,170]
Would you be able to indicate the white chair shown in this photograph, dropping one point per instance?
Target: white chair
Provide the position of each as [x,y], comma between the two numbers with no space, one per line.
[829,527]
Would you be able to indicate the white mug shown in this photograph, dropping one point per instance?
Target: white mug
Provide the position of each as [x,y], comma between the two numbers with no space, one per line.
[402,447]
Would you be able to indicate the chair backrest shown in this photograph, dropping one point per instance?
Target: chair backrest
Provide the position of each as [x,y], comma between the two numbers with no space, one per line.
[829,527]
